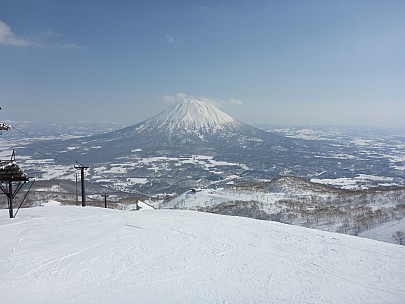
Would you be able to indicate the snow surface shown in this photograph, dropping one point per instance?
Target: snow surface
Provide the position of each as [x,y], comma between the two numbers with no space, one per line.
[95,255]
[385,231]
[194,114]
[355,182]
[141,207]
[211,197]
[51,203]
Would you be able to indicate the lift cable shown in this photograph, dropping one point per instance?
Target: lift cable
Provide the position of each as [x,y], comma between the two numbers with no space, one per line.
[49,147]
[32,137]
[45,144]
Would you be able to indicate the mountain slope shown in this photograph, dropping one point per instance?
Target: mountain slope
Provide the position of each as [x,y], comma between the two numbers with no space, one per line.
[191,127]
[300,202]
[94,255]
[192,121]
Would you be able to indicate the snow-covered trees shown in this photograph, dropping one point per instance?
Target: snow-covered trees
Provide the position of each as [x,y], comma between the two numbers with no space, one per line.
[399,236]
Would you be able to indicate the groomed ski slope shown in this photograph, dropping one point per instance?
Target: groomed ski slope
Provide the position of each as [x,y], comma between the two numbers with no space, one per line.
[92,255]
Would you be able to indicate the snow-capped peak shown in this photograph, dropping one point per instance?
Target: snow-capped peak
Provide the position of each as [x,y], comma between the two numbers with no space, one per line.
[193,114]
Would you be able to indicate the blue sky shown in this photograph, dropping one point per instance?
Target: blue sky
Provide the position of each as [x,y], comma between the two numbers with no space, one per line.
[275,62]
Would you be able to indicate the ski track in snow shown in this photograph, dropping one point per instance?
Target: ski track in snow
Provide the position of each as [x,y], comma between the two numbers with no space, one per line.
[93,255]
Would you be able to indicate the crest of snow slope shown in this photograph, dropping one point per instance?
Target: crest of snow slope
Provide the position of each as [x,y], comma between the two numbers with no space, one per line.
[96,255]
[191,114]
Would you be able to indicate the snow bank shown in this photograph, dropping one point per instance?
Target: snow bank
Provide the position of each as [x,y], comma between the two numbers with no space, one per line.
[52,203]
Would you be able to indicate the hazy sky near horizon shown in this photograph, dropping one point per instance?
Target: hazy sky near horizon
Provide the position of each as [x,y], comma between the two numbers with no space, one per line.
[274,62]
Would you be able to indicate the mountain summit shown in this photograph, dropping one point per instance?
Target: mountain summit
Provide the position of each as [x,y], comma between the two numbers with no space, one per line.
[194,144]
[189,127]
[190,116]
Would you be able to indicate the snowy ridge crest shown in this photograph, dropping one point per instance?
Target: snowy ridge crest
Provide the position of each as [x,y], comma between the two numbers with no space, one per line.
[192,114]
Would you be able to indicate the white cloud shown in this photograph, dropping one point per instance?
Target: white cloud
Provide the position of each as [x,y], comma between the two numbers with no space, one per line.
[168,98]
[71,46]
[169,38]
[235,102]
[52,33]
[7,37]
[224,102]
[171,99]
[180,96]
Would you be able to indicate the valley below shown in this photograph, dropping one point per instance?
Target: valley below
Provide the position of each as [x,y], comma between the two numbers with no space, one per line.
[358,189]
[226,221]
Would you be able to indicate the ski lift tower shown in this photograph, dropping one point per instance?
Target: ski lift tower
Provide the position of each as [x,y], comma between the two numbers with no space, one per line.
[12,178]
[80,167]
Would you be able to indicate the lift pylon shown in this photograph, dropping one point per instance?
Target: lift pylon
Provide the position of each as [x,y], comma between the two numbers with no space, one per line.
[12,179]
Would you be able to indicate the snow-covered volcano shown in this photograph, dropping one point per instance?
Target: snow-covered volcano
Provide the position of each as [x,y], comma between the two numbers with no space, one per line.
[189,123]
[191,115]
[190,127]
[189,120]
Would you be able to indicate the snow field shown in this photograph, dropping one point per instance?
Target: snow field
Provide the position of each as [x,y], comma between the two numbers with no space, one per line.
[210,197]
[95,255]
